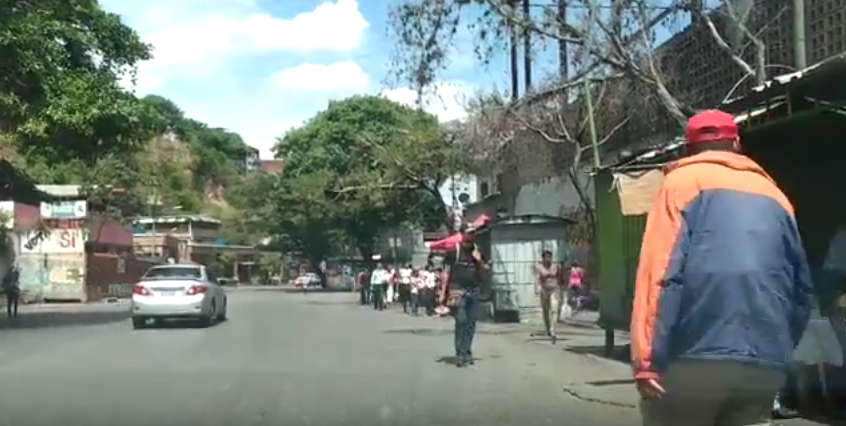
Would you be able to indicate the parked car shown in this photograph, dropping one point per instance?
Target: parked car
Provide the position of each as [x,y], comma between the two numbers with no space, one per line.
[178,291]
[309,279]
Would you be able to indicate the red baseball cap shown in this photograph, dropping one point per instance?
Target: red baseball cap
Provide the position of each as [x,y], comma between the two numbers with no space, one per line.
[709,126]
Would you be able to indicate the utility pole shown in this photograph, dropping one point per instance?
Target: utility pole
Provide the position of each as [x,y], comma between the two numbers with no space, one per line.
[515,68]
[563,60]
[800,57]
[527,49]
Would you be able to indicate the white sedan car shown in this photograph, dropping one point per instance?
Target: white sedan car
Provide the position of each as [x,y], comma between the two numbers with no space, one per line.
[177,292]
[309,279]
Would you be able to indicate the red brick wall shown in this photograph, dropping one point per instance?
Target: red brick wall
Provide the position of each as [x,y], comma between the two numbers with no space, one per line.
[103,278]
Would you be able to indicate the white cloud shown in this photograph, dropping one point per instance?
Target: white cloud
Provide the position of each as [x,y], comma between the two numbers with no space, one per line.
[332,78]
[203,51]
[195,37]
[445,100]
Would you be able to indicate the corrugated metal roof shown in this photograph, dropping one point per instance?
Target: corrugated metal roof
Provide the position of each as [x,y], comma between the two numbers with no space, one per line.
[61,190]
[143,220]
[646,157]
[828,69]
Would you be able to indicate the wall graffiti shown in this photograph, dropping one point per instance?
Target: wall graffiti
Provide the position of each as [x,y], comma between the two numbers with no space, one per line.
[54,241]
[52,276]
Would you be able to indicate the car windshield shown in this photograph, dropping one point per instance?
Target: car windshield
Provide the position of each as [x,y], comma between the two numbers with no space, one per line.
[174,272]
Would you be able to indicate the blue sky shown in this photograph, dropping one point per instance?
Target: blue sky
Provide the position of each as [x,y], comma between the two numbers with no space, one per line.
[259,67]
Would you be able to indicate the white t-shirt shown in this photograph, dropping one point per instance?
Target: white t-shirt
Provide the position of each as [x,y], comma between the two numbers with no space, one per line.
[405,276]
[379,277]
[431,279]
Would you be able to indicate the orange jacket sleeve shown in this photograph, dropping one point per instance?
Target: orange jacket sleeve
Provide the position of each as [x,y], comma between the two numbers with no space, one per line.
[663,226]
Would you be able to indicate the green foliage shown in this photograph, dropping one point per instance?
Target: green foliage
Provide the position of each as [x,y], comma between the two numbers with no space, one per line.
[355,169]
[61,65]
[66,119]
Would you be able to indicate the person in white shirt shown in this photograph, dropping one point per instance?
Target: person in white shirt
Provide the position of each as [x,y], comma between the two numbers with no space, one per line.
[378,284]
[426,289]
[404,287]
[418,287]
[389,293]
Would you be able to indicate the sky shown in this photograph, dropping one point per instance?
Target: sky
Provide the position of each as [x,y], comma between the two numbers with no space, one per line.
[260,67]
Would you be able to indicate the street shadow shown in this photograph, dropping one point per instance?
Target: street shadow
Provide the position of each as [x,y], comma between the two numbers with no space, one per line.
[446,332]
[558,339]
[452,360]
[179,324]
[331,303]
[616,382]
[43,320]
[588,325]
[618,353]
[295,290]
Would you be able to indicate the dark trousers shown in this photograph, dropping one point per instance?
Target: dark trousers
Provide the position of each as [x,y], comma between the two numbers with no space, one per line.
[466,314]
[12,304]
[415,303]
[404,296]
[363,293]
[378,295]
[427,297]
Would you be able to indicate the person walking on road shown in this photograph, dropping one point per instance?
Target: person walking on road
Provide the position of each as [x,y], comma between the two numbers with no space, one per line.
[723,290]
[428,298]
[12,291]
[548,287]
[418,287]
[404,284]
[462,295]
[363,282]
[378,286]
[575,287]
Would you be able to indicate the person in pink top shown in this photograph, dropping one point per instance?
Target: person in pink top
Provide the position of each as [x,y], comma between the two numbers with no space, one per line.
[575,285]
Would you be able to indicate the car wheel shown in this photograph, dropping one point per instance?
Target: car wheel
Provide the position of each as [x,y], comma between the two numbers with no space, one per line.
[208,320]
[221,317]
[138,323]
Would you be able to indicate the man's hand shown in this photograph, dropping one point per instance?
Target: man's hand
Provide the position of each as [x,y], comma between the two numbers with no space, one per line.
[537,291]
[650,389]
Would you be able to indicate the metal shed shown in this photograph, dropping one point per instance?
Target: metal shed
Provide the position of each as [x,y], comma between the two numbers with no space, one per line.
[514,245]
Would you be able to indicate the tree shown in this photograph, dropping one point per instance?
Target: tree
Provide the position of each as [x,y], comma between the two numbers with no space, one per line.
[604,41]
[60,68]
[355,169]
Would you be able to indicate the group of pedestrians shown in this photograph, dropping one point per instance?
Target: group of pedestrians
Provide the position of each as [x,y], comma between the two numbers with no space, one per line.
[415,289]
[455,289]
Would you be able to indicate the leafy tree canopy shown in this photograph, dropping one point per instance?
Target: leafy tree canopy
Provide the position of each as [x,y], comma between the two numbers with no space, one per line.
[61,64]
[362,165]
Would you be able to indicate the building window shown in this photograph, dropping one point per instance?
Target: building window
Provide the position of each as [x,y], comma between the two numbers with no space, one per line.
[484,189]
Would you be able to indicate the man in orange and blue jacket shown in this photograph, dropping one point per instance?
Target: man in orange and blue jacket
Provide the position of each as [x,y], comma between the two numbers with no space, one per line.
[723,289]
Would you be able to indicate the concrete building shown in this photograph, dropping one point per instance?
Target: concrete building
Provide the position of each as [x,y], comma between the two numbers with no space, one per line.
[64,248]
[189,238]
[703,74]
[274,167]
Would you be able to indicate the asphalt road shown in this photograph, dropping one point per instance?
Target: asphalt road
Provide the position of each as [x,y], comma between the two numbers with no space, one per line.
[281,359]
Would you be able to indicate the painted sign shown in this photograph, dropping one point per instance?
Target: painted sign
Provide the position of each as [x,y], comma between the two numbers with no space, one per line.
[54,241]
[64,210]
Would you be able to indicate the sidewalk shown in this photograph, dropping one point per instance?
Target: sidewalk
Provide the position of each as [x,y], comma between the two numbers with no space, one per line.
[578,358]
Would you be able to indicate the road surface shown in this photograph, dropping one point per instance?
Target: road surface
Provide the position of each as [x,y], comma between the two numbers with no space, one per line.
[282,359]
